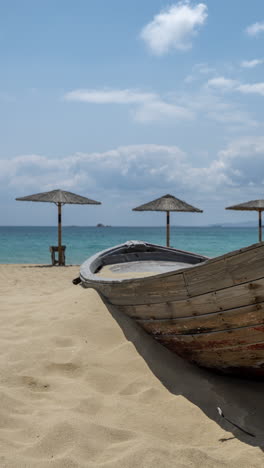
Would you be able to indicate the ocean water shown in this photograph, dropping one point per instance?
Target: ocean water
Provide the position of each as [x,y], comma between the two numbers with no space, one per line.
[31,244]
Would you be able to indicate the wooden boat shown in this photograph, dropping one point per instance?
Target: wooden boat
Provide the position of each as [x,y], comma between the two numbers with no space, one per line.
[208,311]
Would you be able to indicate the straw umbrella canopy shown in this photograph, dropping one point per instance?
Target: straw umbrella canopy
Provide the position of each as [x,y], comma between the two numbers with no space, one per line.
[253,205]
[60,198]
[167,203]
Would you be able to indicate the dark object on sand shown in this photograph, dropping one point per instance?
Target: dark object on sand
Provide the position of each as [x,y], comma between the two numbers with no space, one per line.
[208,311]
[60,198]
[233,424]
[168,203]
[254,205]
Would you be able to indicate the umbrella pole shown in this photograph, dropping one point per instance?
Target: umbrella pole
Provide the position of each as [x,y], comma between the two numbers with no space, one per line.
[168,229]
[260,227]
[59,234]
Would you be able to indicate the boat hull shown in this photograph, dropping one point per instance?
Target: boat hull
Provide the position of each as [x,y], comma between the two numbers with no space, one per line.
[211,313]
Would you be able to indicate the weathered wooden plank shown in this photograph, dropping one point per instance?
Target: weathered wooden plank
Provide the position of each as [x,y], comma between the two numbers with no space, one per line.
[249,356]
[207,277]
[240,295]
[144,292]
[242,359]
[225,299]
[172,309]
[215,340]
[239,268]
[257,247]
[247,266]
[241,317]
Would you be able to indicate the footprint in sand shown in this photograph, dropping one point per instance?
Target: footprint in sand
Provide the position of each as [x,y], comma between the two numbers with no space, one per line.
[34,384]
[67,369]
[107,443]
[58,440]
[89,406]
[63,342]
[133,388]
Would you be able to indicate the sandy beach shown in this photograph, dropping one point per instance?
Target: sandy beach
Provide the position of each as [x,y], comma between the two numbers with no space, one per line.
[83,386]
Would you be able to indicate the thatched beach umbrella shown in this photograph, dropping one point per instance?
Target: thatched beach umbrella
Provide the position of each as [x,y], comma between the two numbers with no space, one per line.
[60,198]
[253,205]
[167,203]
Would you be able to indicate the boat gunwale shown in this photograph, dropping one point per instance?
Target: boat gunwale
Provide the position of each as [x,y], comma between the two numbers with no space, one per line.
[88,277]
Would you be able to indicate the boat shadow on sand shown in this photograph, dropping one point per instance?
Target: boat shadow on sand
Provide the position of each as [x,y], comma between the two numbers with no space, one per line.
[240,400]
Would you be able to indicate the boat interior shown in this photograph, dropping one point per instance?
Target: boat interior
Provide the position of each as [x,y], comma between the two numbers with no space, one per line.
[140,259]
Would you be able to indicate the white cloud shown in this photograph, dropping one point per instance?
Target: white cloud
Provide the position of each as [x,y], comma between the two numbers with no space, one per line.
[236,117]
[222,82]
[255,88]
[209,105]
[237,168]
[123,169]
[251,63]
[255,29]
[174,27]
[206,103]
[158,110]
[203,68]
[139,169]
[198,70]
[226,84]
[243,161]
[149,106]
[108,96]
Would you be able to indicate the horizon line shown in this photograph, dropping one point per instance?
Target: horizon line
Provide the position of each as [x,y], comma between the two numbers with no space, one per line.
[224,224]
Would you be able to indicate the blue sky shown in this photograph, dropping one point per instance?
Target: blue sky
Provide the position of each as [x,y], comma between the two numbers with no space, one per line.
[126,101]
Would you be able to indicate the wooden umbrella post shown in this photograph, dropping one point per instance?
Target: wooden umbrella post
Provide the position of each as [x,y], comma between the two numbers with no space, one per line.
[260,226]
[59,235]
[168,229]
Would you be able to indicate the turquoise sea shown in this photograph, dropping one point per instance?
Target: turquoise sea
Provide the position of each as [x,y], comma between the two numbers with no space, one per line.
[31,244]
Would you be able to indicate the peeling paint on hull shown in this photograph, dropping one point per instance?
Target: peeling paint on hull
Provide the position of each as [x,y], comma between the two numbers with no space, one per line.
[241,360]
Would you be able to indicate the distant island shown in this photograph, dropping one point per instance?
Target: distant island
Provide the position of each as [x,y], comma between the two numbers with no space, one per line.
[102,225]
[237,224]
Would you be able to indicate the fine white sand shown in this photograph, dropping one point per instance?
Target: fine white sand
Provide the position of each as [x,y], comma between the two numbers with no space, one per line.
[83,387]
